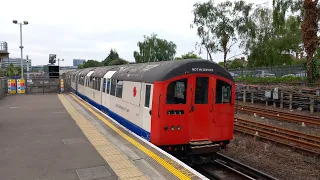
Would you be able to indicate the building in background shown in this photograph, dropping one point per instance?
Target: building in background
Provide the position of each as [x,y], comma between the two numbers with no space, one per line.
[77,62]
[4,54]
[15,62]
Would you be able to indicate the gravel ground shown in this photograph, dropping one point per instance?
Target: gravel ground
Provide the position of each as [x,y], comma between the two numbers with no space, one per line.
[287,110]
[280,123]
[277,161]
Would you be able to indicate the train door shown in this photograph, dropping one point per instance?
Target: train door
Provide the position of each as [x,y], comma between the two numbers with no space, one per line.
[107,76]
[201,107]
[172,111]
[77,82]
[146,110]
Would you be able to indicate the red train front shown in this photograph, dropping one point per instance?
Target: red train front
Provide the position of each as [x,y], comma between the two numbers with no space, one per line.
[193,110]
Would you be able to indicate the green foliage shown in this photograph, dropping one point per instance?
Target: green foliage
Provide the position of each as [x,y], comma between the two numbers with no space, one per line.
[92,63]
[154,49]
[257,80]
[80,66]
[13,70]
[113,59]
[236,63]
[189,55]
[223,25]
[278,35]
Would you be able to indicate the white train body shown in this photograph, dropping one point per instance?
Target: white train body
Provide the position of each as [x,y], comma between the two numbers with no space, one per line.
[121,100]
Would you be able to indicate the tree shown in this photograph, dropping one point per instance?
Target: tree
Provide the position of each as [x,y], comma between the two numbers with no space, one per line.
[309,33]
[92,63]
[277,35]
[223,25]
[189,55]
[113,59]
[154,49]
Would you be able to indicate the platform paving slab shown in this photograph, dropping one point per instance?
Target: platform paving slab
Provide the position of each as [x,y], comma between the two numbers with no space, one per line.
[40,140]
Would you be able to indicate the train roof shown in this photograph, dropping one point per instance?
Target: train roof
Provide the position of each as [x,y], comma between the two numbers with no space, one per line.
[159,71]
[164,70]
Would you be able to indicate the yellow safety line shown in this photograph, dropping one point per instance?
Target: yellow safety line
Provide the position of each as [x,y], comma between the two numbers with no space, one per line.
[154,156]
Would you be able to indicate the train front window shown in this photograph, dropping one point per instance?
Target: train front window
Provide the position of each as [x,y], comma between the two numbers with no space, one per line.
[177,92]
[201,91]
[223,95]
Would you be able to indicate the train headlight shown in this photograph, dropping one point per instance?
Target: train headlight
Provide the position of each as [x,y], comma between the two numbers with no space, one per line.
[165,128]
[172,128]
[179,128]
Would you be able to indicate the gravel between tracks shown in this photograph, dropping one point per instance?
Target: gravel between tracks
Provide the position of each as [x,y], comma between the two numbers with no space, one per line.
[281,123]
[285,109]
[279,162]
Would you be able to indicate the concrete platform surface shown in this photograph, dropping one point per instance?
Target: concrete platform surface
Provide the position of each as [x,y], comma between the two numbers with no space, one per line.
[63,137]
[40,141]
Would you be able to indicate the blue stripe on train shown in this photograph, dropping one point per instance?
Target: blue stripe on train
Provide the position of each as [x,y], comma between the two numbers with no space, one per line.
[126,123]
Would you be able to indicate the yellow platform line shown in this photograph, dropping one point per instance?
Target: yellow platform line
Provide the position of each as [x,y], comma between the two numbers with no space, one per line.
[121,165]
[154,156]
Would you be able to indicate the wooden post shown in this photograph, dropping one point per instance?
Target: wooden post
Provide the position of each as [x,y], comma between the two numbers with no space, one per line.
[290,104]
[311,105]
[252,98]
[244,96]
[281,100]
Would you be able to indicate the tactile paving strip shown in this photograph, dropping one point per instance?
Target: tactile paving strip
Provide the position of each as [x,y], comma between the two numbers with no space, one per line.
[157,158]
[124,170]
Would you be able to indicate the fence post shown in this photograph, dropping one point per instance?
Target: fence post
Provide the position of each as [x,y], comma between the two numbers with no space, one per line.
[42,85]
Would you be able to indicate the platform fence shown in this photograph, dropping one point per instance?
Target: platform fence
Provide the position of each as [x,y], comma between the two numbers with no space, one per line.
[307,99]
[3,87]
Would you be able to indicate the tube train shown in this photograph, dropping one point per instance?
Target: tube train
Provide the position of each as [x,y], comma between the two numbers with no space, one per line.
[185,107]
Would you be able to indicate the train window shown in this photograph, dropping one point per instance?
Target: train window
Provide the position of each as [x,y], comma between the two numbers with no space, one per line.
[223,92]
[104,85]
[201,91]
[108,86]
[113,87]
[99,84]
[91,82]
[119,89]
[177,92]
[147,96]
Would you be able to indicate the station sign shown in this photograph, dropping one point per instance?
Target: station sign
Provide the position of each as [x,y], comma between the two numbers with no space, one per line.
[12,86]
[21,86]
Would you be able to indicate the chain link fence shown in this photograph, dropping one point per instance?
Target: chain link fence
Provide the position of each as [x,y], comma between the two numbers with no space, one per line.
[3,87]
[276,71]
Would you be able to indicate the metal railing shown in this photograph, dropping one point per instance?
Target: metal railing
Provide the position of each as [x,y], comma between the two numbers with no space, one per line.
[3,87]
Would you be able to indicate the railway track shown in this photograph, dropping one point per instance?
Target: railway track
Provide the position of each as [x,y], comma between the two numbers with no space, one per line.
[227,168]
[295,139]
[298,118]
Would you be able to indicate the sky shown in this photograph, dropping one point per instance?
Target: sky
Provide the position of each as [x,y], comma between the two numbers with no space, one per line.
[88,29]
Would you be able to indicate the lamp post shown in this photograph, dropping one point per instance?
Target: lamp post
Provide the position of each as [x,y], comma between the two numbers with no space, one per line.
[21,47]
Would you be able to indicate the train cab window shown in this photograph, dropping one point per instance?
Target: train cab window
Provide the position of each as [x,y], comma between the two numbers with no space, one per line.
[147,96]
[177,92]
[104,85]
[119,89]
[108,86]
[201,91]
[223,91]
[113,87]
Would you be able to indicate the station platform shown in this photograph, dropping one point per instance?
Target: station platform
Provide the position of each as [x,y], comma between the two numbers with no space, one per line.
[44,137]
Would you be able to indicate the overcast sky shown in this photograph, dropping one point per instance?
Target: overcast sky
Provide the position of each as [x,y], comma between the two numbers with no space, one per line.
[87,29]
